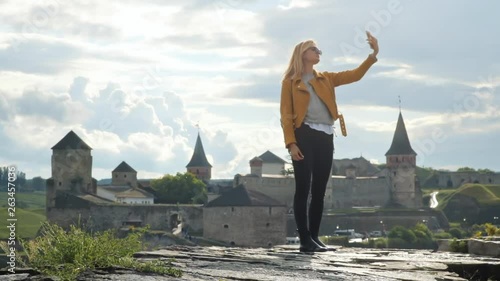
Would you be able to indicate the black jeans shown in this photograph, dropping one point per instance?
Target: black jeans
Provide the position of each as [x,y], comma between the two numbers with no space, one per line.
[311,173]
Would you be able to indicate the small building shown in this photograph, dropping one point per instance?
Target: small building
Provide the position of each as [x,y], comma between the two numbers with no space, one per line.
[242,217]
[124,187]
[272,164]
[123,174]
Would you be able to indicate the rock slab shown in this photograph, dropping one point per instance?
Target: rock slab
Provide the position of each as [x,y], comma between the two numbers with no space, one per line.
[285,263]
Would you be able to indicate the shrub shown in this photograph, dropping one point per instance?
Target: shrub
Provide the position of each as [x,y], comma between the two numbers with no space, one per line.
[402,233]
[491,230]
[443,235]
[423,231]
[478,228]
[459,246]
[67,254]
[336,240]
[398,243]
[425,243]
[456,233]
[380,243]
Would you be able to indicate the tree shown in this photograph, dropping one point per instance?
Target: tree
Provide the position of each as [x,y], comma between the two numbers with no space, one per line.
[38,183]
[20,179]
[181,188]
[466,169]
[485,171]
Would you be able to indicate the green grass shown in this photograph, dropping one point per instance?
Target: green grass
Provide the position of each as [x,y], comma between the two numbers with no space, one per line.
[495,189]
[443,194]
[478,191]
[27,200]
[66,254]
[27,224]
[486,195]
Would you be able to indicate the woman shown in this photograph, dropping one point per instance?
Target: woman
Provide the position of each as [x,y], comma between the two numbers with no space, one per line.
[308,112]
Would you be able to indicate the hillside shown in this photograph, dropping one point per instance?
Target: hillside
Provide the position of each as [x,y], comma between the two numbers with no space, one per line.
[29,212]
[472,203]
[483,194]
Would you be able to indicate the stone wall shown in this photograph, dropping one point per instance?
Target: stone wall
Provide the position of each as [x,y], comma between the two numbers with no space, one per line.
[348,193]
[158,216]
[367,222]
[341,192]
[456,179]
[246,226]
[281,188]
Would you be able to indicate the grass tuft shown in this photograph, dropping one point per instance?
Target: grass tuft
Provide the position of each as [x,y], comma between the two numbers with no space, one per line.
[66,254]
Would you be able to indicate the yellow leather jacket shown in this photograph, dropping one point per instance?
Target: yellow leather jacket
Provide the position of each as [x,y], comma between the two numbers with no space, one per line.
[295,97]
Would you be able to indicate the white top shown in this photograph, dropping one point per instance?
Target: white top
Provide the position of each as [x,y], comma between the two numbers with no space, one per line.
[327,128]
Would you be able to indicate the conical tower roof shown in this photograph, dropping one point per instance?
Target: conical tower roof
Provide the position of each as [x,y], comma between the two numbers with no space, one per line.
[199,159]
[400,143]
[124,168]
[71,141]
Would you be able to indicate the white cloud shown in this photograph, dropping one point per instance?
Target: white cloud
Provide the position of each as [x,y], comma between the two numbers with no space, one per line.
[294,4]
[133,79]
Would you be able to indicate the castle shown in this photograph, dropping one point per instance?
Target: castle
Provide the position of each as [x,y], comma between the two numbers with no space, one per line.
[354,183]
[73,195]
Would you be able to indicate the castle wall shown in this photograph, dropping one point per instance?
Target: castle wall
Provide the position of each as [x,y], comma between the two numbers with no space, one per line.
[278,188]
[128,200]
[360,192]
[367,222]
[340,193]
[456,179]
[250,226]
[158,216]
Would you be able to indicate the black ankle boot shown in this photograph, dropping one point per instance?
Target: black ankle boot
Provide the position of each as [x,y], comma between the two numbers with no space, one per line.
[308,245]
[321,244]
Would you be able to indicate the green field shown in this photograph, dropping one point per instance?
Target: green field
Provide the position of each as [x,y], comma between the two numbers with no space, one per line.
[31,200]
[27,224]
[29,212]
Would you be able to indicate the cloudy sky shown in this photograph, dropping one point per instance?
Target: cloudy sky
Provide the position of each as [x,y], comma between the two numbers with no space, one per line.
[134,79]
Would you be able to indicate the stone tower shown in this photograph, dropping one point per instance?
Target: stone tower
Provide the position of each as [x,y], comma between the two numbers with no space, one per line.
[350,171]
[71,168]
[256,166]
[401,165]
[123,174]
[199,165]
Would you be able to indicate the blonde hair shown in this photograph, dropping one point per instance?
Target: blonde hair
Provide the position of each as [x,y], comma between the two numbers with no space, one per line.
[296,66]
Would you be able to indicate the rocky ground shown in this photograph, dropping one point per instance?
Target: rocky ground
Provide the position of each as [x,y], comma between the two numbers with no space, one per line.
[287,264]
